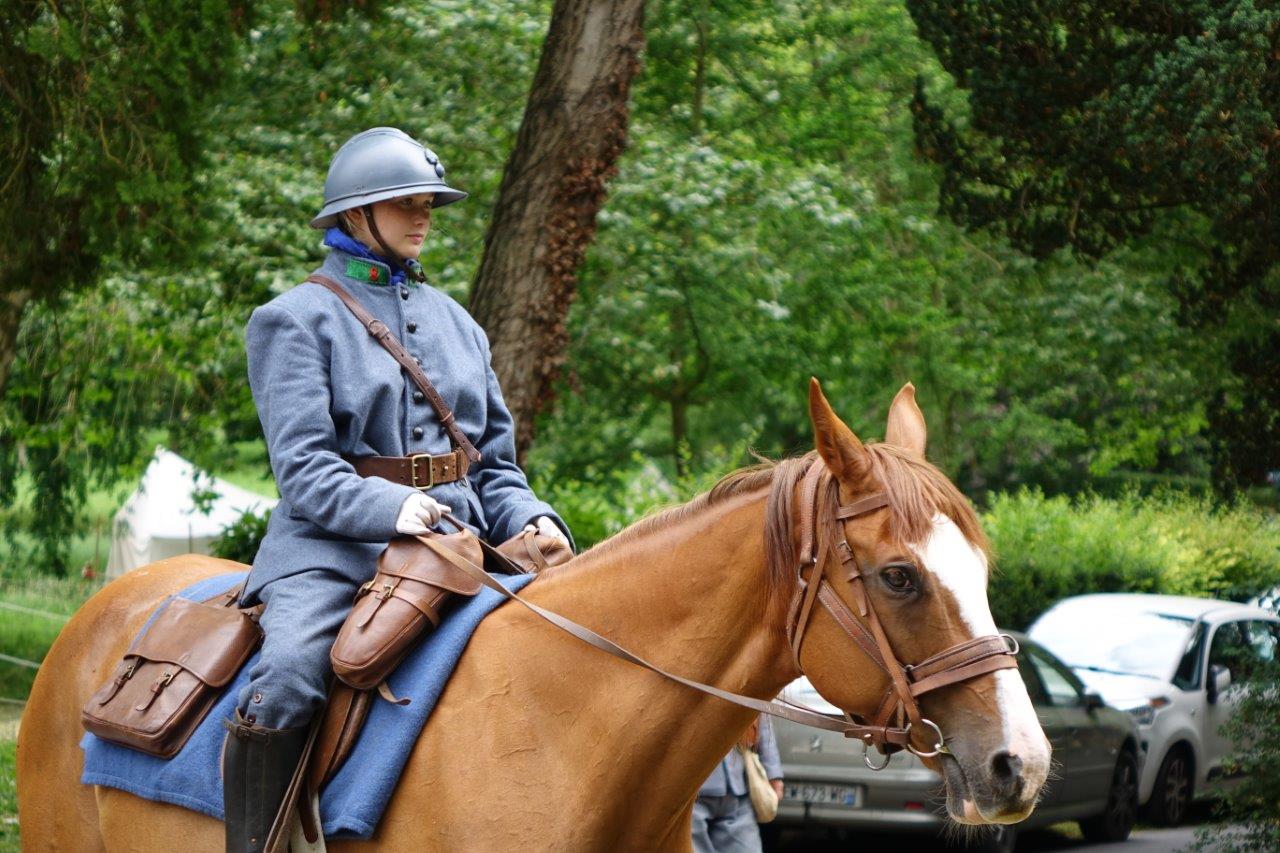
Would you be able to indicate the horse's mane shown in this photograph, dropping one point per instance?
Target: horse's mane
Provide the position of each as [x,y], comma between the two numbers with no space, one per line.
[917,492]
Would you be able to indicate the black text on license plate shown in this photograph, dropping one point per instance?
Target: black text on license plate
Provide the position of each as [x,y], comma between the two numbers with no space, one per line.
[836,795]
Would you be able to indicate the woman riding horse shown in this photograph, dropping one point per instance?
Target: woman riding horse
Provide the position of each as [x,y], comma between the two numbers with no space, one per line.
[333,405]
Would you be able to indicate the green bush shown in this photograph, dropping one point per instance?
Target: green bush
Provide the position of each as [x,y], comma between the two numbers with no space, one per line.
[1050,548]
[1250,812]
[240,540]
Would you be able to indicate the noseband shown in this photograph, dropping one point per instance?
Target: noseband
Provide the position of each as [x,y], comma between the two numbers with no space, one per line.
[822,534]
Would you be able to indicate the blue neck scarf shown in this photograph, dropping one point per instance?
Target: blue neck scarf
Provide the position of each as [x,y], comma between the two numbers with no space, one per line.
[336,238]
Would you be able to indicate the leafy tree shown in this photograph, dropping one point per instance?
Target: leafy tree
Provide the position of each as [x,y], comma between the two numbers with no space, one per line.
[101,128]
[772,222]
[1092,125]
[156,351]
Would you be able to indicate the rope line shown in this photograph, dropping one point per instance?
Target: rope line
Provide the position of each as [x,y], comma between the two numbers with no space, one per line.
[45,613]
[19,661]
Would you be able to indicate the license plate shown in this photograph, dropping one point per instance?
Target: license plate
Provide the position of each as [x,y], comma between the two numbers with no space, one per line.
[838,795]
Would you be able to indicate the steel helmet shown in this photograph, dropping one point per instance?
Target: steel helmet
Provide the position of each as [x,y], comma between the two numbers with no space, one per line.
[379,164]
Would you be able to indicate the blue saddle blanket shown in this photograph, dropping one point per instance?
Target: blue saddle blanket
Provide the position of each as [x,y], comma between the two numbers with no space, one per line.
[353,801]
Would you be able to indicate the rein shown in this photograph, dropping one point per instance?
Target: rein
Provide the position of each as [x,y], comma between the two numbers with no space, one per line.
[898,714]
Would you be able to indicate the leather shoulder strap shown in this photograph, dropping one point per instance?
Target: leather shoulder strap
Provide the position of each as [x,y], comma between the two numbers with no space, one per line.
[382,335]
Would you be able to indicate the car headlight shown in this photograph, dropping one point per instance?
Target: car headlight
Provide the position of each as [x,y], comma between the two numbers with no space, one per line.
[1145,714]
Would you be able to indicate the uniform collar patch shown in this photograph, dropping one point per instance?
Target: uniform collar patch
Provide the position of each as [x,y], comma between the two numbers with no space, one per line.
[369,272]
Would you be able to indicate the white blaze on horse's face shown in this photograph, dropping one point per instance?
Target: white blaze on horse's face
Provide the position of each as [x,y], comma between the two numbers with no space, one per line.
[993,778]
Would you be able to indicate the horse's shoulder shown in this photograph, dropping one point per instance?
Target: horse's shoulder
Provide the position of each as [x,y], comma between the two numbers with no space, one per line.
[130,598]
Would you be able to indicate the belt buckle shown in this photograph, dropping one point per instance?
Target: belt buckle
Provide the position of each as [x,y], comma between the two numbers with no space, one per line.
[413,472]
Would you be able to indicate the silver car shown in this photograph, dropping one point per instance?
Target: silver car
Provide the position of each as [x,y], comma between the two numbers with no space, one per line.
[1179,666]
[827,785]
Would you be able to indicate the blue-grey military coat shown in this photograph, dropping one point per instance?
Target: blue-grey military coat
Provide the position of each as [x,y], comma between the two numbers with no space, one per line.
[325,389]
[730,775]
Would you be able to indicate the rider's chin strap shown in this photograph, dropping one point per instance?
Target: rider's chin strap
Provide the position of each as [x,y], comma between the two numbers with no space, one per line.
[412,270]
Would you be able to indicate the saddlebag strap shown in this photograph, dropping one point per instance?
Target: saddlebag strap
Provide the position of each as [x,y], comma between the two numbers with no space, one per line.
[899,737]
[173,673]
[382,335]
[403,601]
[419,471]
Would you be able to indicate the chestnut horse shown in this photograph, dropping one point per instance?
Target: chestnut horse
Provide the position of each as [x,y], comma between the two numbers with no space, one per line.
[542,742]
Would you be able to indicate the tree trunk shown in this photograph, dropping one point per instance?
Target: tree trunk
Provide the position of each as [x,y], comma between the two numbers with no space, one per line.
[573,132]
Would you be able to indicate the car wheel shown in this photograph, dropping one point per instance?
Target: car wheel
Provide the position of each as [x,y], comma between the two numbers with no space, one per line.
[1172,794]
[1117,821]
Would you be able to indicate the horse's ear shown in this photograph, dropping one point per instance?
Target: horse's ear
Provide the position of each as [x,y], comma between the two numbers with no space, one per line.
[906,422]
[836,443]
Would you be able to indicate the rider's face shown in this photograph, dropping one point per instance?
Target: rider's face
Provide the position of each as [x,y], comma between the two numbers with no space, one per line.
[403,223]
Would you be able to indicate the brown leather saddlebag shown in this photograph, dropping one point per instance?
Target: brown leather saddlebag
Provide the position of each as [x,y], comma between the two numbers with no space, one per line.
[532,552]
[172,674]
[404,599]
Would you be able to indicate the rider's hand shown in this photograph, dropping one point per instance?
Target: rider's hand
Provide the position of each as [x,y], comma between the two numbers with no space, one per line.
[418,513]
[547,527]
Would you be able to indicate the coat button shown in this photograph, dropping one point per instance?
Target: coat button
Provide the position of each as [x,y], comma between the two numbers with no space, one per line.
[418,432]
[419,397]
[404,293]
[412,327]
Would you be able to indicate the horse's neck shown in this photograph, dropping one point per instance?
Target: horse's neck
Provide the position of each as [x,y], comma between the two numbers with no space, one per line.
[691,599]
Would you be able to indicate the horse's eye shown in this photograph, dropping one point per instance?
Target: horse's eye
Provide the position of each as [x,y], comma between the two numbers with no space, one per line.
[898,579]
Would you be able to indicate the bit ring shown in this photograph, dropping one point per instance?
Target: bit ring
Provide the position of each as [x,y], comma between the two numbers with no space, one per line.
[939,746]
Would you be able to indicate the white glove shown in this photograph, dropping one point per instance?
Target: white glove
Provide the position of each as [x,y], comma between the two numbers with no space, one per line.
[547,527]
[419,513]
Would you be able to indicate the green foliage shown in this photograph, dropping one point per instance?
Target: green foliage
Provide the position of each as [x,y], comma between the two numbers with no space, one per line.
[604,500]
[1050,548]
[102,124]
[156,351]
[1093,125]
[770,222]
[1250,811]
[27,633]
[240,540]
[9,796]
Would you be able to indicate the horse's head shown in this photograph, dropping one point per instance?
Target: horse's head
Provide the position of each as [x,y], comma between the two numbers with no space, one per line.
[912,584]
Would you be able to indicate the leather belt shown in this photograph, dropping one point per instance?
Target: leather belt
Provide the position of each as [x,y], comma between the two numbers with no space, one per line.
[419,471]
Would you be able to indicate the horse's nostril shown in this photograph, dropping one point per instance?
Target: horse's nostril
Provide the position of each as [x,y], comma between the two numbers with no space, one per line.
[1005,766]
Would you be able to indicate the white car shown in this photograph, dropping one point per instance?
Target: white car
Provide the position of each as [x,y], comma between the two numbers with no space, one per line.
[1177,665]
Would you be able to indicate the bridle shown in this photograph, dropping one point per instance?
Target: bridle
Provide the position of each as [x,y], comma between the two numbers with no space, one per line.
[822,532]
[822,521]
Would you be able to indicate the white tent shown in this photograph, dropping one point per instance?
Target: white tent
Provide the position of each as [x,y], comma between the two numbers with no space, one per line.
[160,518]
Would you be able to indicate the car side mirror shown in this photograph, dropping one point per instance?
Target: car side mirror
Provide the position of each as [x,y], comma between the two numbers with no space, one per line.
[1092,702]
[1218,681]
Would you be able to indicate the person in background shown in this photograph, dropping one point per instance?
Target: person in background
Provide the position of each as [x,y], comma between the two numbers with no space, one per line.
[723,819]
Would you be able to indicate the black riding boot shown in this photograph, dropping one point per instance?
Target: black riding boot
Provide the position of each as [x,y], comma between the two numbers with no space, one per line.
[258,765]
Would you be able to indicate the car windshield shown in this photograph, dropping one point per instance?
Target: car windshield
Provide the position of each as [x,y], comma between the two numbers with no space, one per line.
[1148,644]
